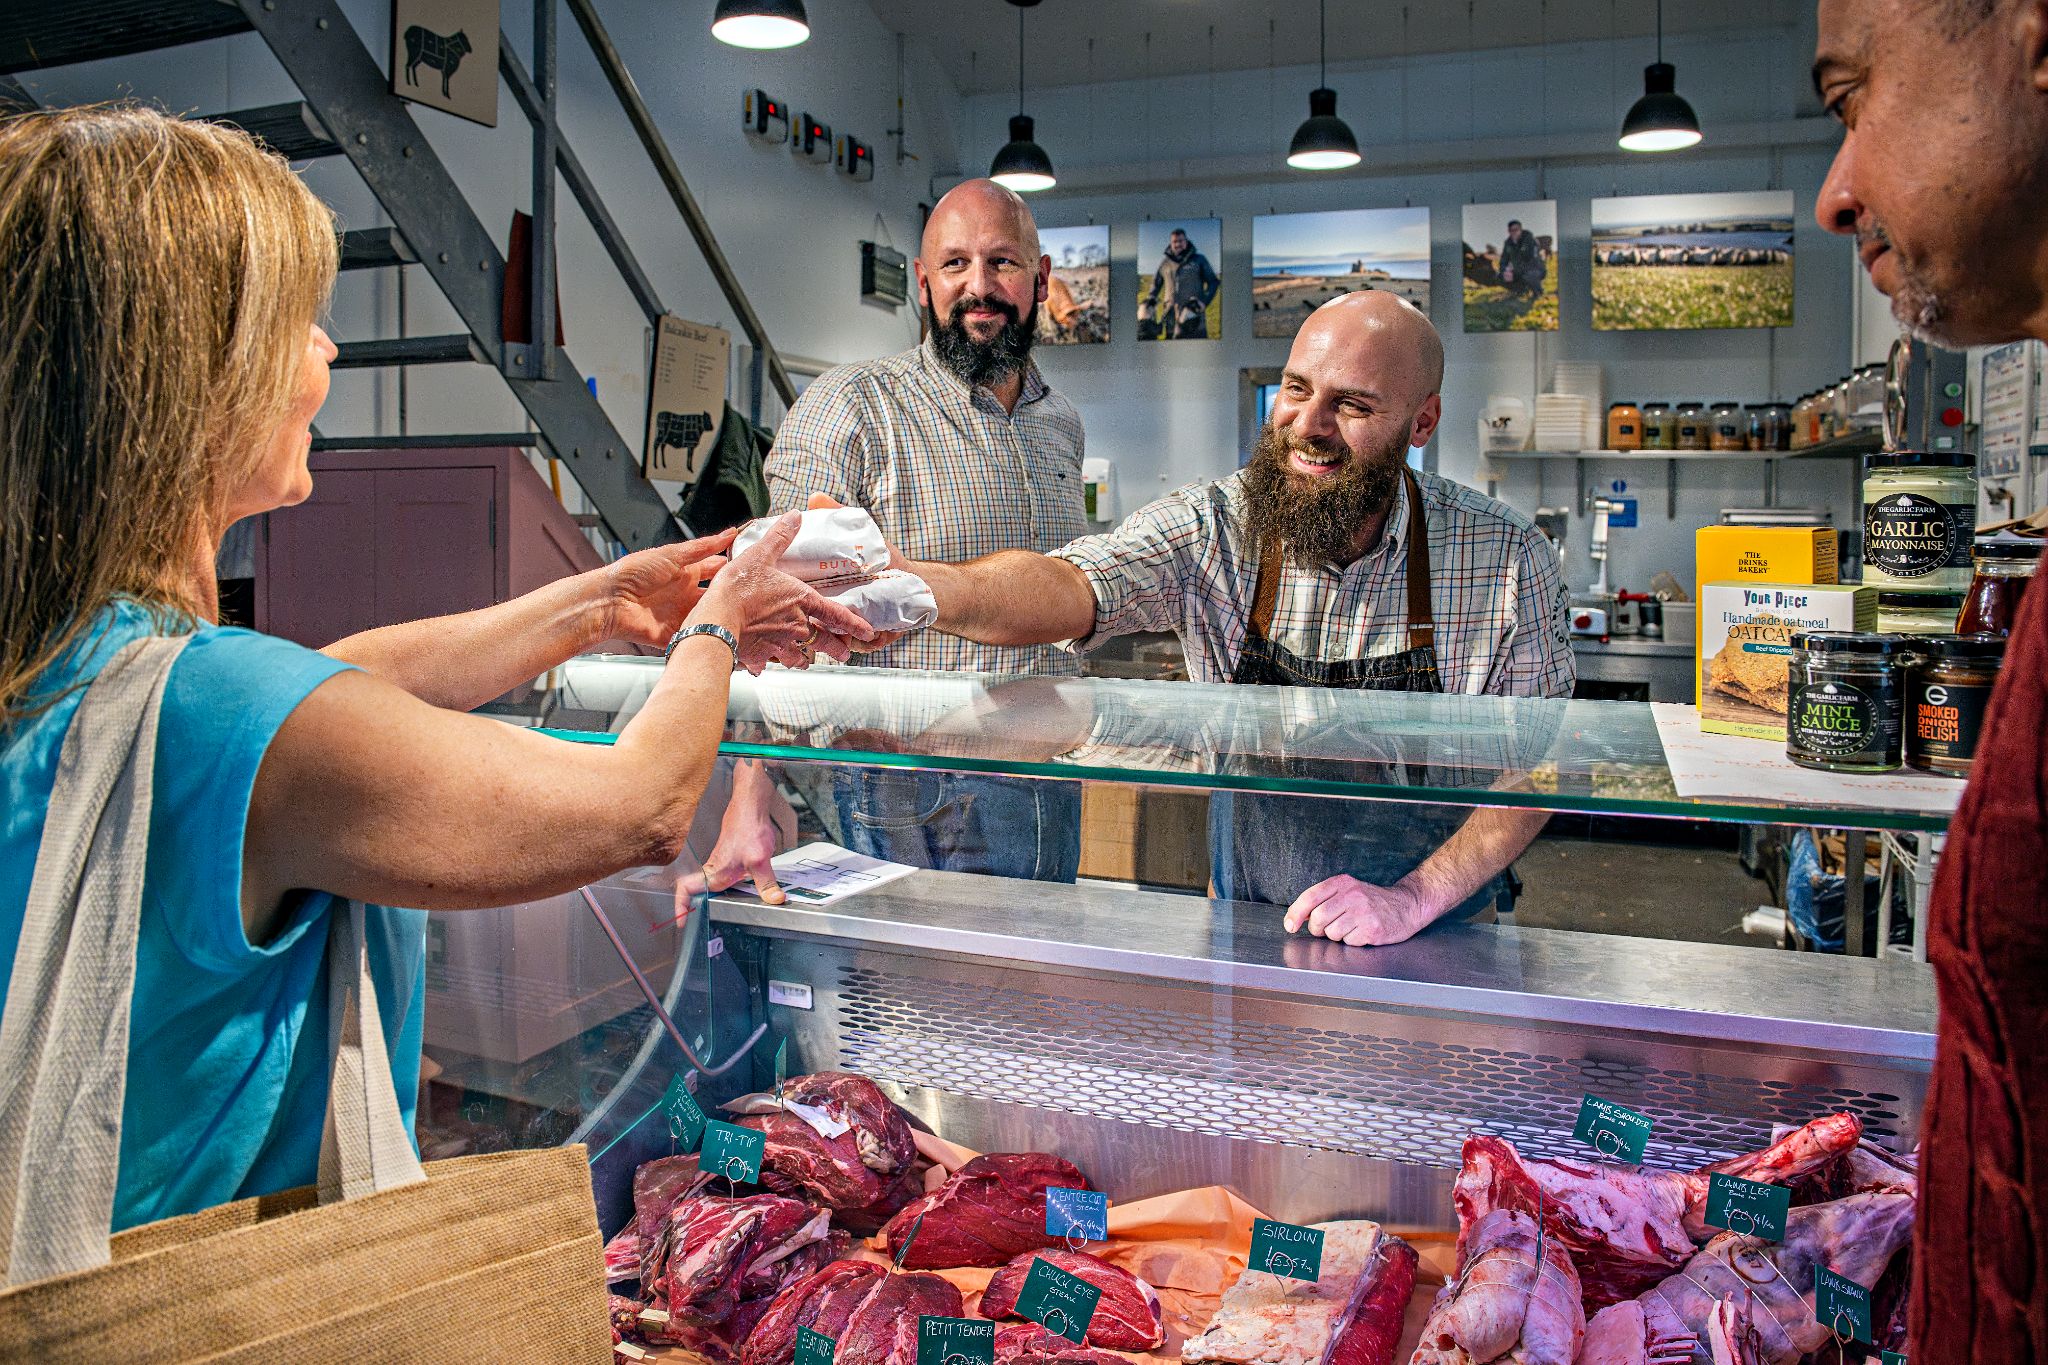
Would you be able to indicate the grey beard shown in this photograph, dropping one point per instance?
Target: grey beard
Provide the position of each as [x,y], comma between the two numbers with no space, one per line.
[1317,519]
[981,362]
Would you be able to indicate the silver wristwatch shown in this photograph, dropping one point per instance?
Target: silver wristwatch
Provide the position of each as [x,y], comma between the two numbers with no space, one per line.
[718,632]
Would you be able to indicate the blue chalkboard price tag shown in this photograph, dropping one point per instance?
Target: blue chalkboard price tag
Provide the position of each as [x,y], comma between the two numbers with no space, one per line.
[1081,1215]
[1058,1301]
[814,1348]
[955,1341]
[1892,1357]
[1611,1129]
[1747,1206]
[732,1151]
[1841,1305]
[685,1119]
[1288,1250]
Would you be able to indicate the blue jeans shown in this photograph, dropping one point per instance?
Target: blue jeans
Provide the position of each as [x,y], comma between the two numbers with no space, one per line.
[962,822]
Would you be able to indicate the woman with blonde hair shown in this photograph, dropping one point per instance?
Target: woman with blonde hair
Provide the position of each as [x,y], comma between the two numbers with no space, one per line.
[160,364]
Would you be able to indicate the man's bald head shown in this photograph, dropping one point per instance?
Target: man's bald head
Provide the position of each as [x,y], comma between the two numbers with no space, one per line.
[1378,338]
[974,211]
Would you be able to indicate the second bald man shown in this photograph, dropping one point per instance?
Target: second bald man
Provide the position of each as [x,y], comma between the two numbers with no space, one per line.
[959,450]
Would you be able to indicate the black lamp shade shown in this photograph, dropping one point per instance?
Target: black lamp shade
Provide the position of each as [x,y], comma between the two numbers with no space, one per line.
[1022,165]
[761,23]
[1324,142]
[1661,121]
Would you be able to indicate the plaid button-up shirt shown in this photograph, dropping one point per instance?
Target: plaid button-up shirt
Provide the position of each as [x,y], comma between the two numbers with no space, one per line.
[948,475]
[1189,563]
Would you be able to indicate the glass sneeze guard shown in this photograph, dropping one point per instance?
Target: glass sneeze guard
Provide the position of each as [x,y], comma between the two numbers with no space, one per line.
[1597,757]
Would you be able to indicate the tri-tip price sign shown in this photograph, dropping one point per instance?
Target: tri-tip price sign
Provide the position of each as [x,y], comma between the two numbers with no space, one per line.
[1077,1215]
[1611,1129]
[1058,1301]
[1748,1207]
[732,1151]
[955,1341]
[1841,1305]
[1288,1250]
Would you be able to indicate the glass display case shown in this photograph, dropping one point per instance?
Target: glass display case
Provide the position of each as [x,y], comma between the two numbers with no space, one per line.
[1168,1041]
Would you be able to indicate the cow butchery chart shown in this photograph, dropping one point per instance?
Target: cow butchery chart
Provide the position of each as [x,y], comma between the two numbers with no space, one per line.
[819,1225]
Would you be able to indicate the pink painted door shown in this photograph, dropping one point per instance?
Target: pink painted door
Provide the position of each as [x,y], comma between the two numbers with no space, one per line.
[437,548]
[319,562]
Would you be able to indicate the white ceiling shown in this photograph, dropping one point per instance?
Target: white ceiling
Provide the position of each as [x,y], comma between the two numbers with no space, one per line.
[976,40]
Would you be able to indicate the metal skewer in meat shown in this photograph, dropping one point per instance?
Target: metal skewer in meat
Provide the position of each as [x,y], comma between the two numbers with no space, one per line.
[1516,1299]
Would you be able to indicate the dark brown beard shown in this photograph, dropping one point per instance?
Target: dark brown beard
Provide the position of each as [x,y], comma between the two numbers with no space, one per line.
[1317,518]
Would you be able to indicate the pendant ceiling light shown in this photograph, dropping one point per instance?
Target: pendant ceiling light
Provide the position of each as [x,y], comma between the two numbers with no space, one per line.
[1661,121]
[760,23]
[1323,142]
[1022,165]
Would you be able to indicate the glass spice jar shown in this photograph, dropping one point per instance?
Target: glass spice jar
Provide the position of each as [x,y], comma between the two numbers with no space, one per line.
[1756,429]
[1948,687]
[1918,613]
[1919,513]
[1777,426]
[1692,426]
[1844,707]
[1802,423]
[1660,427]
[2002,572]
[1728,429]
[1624,426]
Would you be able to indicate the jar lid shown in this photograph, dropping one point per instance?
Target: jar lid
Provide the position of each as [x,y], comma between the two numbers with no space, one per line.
[1920,601]
[1850,642]
[1624,403]
[1924,459]
[1963,646]
[2007,550]
[1726,403]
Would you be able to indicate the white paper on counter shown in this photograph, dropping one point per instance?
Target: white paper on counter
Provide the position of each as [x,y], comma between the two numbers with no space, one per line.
[821,873]
[1731,768]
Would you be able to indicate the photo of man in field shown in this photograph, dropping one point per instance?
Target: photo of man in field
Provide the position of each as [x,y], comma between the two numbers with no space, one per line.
[1510,267]
[1180,294]
[1689,261]
[1300,261]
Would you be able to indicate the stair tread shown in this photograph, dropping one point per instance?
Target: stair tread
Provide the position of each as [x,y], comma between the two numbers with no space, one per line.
[287,129]
[372,247]
[41,33]
[482,440]
[430,350]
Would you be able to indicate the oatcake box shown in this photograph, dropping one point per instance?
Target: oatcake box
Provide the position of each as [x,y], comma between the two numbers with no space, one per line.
[1760,554]
[1746,631]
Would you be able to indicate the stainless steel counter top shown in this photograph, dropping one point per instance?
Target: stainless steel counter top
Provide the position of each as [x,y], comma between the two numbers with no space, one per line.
[1846,1008]
[1633,646]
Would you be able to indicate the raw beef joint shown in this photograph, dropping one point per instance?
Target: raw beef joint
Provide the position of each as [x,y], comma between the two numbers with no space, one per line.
[1029,1344]
[1350,1316]
[1627,1227]
[713,1251]
[870,1313]
[657,1185]
[834,1138]
[991,1209]
[1516,1296]
[1127,1316]
[1772,1284]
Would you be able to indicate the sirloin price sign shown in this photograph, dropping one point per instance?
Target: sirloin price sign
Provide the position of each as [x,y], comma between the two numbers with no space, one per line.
[732,1151]
[955,1341]
[1077,1213]
[1287,1249]
[1747,1206]
[1058,1301]
[1611,1129]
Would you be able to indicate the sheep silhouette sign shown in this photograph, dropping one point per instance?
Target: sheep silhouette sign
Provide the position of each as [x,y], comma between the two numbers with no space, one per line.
[444,54]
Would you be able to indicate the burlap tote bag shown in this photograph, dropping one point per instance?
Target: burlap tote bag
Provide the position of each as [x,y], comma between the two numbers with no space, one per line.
[491,1257]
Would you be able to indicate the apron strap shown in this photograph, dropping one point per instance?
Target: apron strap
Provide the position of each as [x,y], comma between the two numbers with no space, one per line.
[1267,595]
[1421,621]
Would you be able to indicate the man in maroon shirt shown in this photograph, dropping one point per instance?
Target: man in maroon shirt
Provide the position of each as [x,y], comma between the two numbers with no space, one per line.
[1942,178]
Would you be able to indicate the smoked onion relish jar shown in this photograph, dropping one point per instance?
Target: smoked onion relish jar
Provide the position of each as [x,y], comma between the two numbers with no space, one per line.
[1843,712]
[1919,517]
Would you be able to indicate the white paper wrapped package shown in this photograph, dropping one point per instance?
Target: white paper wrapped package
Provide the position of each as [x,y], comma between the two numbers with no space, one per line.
[889,601]
[834,542]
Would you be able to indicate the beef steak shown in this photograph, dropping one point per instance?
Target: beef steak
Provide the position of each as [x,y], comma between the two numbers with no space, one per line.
[1127,1316]
[992,1209]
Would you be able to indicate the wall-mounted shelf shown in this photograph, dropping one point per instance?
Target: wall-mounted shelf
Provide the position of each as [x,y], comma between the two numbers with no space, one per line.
[1860,443]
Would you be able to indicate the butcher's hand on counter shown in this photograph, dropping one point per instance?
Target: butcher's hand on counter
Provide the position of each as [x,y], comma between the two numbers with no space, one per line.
[758,824]
[1346,910]
[1012,597]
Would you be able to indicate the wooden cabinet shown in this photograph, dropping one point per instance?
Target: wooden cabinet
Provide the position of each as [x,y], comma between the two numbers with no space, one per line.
[397,535]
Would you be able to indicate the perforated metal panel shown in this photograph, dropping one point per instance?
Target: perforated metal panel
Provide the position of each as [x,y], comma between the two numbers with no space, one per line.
[1405,1087]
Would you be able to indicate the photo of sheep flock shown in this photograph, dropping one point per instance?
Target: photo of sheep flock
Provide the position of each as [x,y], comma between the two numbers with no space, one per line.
[1692,261]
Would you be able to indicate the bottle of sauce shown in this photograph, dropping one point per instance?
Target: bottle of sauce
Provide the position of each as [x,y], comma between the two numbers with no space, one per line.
[2004,568]
[1624,426]
[1919,516]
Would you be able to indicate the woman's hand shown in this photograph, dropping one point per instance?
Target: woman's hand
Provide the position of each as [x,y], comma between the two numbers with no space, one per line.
[776,618]
[649,594]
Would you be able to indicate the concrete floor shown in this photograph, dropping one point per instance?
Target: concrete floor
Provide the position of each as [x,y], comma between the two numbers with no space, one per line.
[1698,895]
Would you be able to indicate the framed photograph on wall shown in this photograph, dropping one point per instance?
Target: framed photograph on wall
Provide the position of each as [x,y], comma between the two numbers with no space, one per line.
[1510,267]
[445,53]
[1076,307]
[1180,285]
[1692,261]
[1300,261]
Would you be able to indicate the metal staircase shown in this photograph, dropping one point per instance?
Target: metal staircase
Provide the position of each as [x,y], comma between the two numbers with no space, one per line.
[347,109]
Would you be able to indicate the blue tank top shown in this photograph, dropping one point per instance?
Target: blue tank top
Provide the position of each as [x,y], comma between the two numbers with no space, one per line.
[227,1049]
